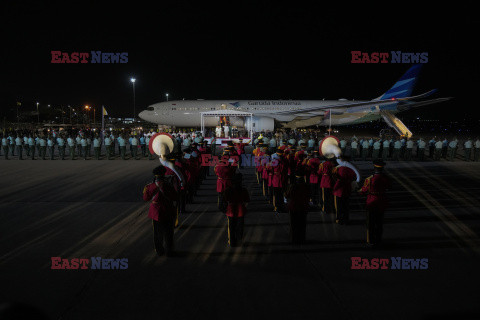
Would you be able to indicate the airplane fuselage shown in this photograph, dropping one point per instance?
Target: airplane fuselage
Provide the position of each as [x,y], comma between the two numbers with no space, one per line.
[187,113]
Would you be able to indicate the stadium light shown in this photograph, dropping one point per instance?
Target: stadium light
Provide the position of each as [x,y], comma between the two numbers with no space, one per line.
[133,84]
[38,114]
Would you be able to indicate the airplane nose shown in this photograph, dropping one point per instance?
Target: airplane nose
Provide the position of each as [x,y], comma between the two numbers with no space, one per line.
[142,115]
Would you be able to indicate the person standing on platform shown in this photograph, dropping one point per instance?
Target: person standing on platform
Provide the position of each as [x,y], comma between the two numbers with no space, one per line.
[467,146]
[375,187]
[397,146]
[438,150]
[5,147]
[298,199]
[409,149]
[114,140]
[130,145]
[143,145]
[78,143]
[83,142]
[343,145]
[18,144]
[11,139]
[402,149]
[122,145]
[31,146]
[444,148]
[162,211]
[236,197]
[96,147]
[50,145]
[134,147]
[61,147]
[342,189]
[326,184]
[71,147]
[386,149]
[365,147]
[390,148]
[43,147]
[477,150]
[25,145]
[370,147]
[421,149]
[89,145]
[108,146]
[353,149]
[311,144]
[452,149]
[431,147]
[376,149]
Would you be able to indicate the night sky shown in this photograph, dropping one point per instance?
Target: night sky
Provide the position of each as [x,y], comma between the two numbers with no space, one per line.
[262,50]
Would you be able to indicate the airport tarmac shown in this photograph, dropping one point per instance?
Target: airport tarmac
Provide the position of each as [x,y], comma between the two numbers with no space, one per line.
[84,209]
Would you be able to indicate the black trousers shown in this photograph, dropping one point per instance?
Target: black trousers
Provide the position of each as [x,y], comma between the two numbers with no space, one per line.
[61,151]
[314,193]
[374,225]
[163,234]
[235,230]
[5,151]
[222,204]
[421,154]
[298,226]
[279,203]
[342,209]
[327,200]
[108,151]
[20,152]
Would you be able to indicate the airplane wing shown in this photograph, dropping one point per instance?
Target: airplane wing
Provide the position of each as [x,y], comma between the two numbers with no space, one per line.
[341,107]
[409,105]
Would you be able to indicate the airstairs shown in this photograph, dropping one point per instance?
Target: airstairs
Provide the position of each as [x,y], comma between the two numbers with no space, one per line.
[395,123]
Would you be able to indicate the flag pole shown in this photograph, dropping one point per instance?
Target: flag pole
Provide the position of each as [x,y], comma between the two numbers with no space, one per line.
[103,122]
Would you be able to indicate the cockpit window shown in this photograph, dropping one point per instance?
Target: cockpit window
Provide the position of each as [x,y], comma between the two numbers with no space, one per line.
[150,109]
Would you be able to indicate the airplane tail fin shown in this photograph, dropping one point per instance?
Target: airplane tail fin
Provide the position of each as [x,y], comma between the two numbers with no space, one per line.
[404,86]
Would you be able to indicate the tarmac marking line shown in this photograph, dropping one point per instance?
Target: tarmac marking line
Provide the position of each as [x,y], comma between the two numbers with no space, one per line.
[443,214]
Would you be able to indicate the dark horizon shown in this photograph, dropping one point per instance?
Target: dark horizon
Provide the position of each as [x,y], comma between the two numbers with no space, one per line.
[232,52]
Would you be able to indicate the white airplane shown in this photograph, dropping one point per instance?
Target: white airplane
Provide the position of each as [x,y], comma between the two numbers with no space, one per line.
[298,113]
